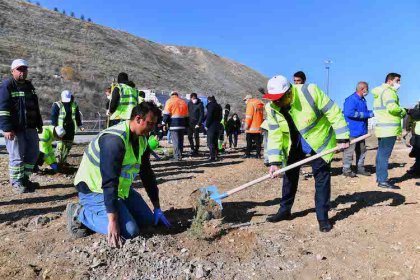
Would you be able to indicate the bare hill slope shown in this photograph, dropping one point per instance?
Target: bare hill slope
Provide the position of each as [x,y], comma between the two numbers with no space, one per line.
[88,56]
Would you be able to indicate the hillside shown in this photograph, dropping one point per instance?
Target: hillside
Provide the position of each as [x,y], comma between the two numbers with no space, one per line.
[88,56]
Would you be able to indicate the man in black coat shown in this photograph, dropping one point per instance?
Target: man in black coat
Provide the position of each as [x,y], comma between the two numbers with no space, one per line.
[196,116]
[214,117]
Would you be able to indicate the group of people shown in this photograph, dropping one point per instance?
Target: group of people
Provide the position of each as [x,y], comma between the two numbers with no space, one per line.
[300,120]
[28,142]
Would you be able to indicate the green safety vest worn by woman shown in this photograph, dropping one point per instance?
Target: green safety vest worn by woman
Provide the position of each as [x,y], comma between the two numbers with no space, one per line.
[89,170]
[46,138]
[387,110]
[129,98]
[62,114]
[278,144]
[319,120]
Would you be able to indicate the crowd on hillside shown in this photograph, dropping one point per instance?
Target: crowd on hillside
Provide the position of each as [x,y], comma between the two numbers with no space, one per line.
[298,121]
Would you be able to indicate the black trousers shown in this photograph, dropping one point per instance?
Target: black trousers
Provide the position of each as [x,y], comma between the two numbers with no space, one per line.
[250,138]
[194,135]
[321,171]
[233,139]
[212,141]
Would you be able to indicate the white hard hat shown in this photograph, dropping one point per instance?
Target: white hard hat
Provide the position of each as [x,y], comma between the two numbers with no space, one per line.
[276,87]
[66,96]
[59,130]
[18,62]
[248,96]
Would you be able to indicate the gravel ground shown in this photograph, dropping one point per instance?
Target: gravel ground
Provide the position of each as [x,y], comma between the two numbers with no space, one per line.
[375,234]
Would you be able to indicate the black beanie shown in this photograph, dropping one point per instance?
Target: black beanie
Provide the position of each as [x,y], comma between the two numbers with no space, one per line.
[122,77]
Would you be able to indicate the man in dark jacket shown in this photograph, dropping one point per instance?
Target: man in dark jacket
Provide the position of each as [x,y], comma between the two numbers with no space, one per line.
[356,114]
[196,116]
[214,117]
[19,120]
[124,97]
[65,113]
[414,127]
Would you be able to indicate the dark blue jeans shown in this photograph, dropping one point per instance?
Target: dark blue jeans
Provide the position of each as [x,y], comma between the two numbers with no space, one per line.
[133,213]
[385,146]
[321,171]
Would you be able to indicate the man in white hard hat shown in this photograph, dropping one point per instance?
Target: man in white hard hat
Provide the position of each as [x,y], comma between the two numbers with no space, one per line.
[19,120]
[65,113]
[310,114]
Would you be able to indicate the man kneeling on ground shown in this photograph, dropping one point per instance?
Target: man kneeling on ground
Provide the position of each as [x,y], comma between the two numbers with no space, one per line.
[108,202]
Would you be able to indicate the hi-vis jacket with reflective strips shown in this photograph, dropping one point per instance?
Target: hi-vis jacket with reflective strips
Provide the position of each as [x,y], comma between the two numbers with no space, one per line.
[62,114]
[254,115]
[129,98]
[46,138]
[175,113]
[387,111]
[278,144]
[89,170]
[318,119]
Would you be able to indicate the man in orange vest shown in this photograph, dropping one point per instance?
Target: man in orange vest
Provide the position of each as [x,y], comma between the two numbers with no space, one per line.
[254,117]
[176,115]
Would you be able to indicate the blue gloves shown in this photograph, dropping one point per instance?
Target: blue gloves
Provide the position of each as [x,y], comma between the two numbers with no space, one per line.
[158,216]
[54,167]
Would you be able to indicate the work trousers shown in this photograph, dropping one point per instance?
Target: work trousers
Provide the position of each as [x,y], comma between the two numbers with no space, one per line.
[265,141]
[360,148]
[194,135]
[321,171]
[23,153]
[250,138]
[133,213]
[385,146]
[233,139]
[416,152]
[212,141]
[177,137]
[63,149]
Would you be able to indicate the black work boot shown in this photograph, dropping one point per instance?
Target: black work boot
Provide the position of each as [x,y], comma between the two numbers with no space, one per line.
[349,173]
[388,185]
[362,171]
[279,216]
[75,228]
[324,226]
[19,188]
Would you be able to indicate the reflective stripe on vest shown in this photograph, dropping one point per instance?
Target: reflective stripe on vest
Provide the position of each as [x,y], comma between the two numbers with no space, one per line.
[62,113]
[129,98]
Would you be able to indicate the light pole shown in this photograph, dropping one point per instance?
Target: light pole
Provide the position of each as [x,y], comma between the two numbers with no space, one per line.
[327,66]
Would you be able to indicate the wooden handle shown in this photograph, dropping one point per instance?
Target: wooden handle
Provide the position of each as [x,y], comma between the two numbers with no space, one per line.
[296,164]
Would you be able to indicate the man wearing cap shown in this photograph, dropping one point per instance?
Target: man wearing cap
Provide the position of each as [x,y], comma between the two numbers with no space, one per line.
[124,97]
[309,113]
[46,151]
[65,113]
[175,115]
[20,118]
[254,117]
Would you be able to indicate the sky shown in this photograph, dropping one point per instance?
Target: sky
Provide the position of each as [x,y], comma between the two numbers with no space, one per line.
[364,39]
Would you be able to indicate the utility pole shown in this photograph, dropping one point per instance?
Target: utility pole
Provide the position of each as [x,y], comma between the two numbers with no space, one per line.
[327,63]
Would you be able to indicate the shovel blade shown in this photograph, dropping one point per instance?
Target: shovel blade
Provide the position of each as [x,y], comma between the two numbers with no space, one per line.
[214,194]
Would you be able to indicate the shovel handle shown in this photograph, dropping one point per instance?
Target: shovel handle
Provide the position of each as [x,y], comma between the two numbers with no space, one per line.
[296,164]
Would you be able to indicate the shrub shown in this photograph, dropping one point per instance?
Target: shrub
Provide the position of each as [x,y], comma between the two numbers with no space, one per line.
[67,72]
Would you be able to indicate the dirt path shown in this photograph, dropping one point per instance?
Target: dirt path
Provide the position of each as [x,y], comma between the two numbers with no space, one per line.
[375,235]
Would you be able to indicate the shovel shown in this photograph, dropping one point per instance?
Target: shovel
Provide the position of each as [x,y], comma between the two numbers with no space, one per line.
[217,197]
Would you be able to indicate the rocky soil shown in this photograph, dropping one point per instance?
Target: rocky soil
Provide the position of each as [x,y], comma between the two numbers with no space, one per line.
[375,234]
